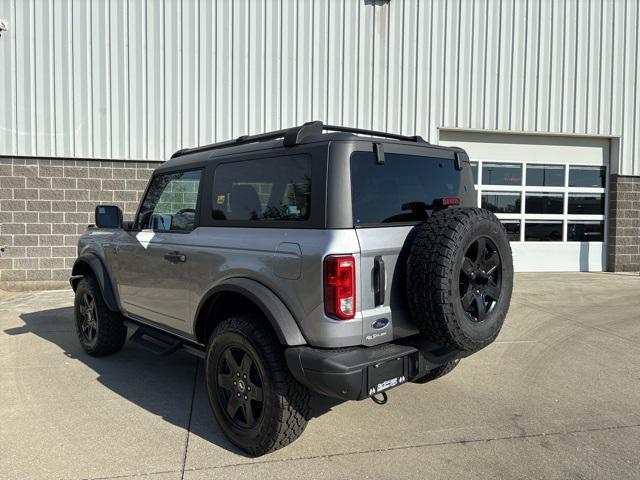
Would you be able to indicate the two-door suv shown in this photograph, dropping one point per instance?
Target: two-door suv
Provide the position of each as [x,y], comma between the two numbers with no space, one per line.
[345,263]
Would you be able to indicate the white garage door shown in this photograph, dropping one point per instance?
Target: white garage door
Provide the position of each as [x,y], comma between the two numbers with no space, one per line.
[548,191]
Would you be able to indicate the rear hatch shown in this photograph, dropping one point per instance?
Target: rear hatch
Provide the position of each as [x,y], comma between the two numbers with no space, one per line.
[389,197]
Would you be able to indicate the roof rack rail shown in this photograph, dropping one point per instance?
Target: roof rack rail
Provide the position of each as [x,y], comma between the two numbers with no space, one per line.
[374,133]
[294,136]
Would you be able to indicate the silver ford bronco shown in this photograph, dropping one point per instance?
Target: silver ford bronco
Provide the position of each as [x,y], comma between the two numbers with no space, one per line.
[344,263]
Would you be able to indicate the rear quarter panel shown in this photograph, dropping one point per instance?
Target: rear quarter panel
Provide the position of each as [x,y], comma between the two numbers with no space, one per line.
[268,256]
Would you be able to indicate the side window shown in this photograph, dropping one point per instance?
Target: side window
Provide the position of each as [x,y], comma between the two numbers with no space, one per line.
[170,204]
[263,190]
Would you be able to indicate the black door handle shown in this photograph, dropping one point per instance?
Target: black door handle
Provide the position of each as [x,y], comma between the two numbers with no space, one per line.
[379,280]
[175,257]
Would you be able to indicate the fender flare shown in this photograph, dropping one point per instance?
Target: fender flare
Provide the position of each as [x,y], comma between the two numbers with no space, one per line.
[100,272]
[276,312]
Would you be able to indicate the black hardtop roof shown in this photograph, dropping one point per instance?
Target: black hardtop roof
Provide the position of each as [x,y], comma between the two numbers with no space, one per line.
[311,132]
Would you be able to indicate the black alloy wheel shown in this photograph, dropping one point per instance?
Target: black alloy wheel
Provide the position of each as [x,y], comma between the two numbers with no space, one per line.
[101,331]
[88,317]
[480,278]
[256,401]
[240,387]
[459,277]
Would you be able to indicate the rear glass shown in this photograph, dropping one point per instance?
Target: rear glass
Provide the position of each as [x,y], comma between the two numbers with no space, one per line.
[400,191]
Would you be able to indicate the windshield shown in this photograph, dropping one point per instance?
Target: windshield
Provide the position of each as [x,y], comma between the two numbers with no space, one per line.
[403,190]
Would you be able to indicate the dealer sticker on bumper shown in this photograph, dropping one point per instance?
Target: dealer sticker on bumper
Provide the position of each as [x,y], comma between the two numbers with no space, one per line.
[387,384]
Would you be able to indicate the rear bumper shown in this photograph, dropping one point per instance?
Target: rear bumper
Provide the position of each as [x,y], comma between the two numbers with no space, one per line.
[358,372]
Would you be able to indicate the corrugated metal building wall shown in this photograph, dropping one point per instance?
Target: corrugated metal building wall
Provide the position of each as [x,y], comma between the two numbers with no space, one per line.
[129,79]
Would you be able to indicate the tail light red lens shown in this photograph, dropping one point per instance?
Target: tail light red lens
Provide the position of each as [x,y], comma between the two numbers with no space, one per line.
[340,286]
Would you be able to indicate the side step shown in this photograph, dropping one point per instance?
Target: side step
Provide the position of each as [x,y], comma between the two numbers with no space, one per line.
[159,342]
[155,341]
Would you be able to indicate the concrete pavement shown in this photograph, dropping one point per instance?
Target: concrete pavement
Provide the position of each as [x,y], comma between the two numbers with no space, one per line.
[557,396]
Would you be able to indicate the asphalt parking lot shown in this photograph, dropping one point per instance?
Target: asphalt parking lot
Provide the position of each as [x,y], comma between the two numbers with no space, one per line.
[557,396]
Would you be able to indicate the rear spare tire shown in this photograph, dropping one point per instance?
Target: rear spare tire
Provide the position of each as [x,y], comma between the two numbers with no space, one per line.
[460,277]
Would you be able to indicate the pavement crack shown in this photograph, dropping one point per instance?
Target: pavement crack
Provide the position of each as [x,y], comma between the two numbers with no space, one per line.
[423,445]
[193,397]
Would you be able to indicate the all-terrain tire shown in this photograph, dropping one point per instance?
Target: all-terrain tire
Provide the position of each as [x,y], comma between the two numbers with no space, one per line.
[438,372]
[284,409]
[460,259]
[106,333]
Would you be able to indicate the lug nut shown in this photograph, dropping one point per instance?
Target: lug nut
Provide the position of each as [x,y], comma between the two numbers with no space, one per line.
[244,376]
[237,374]
[235,383]
[238,394]
[246,398]
[248,388]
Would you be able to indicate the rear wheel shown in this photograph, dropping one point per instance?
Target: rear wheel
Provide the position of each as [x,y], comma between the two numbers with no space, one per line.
[259,406]
[100,331]
[438,372]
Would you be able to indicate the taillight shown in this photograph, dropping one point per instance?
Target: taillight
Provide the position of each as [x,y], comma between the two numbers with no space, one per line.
[340,286]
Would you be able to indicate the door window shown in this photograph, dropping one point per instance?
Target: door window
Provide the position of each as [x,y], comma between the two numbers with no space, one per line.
[171,202]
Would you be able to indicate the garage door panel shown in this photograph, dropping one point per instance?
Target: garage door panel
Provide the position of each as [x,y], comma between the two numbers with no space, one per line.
[549,192]
[564,257]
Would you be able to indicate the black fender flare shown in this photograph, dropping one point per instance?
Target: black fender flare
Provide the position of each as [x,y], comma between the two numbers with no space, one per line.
[94,263]
[276,312]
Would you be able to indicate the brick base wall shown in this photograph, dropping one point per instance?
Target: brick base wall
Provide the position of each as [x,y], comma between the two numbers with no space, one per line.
[46,204]
[624,224]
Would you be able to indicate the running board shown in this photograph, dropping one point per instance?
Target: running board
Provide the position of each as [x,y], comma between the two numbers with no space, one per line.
[159,342]
[155,342]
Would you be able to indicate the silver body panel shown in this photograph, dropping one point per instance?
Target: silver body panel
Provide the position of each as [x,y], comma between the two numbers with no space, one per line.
[286,259]
[288,262]
[388,244]
[151,288]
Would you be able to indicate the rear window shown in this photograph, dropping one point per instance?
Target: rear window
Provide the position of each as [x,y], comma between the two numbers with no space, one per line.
[269,189]
[402,190]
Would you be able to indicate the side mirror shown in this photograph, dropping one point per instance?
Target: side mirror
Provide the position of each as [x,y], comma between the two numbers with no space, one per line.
[108,216]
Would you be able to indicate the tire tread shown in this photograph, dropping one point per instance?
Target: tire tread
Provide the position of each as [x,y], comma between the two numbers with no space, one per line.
[429,274]
[293,399]
[112,333]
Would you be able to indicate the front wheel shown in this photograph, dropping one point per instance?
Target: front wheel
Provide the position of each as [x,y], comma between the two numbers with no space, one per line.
[259,406]
[100,331]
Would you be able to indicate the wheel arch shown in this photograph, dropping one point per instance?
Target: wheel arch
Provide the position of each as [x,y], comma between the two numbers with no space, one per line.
[242,295]
[90,264]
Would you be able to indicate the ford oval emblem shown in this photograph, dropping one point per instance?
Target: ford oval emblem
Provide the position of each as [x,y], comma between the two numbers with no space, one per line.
[380,323]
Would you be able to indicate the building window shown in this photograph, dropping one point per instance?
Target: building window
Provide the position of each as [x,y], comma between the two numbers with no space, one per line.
[587,176]
[545,175]
[501,202]
[501,174]
[583,204]
[586,231]
[547,202]
[544,202]
[548,231]
[474,171]
[513,229]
